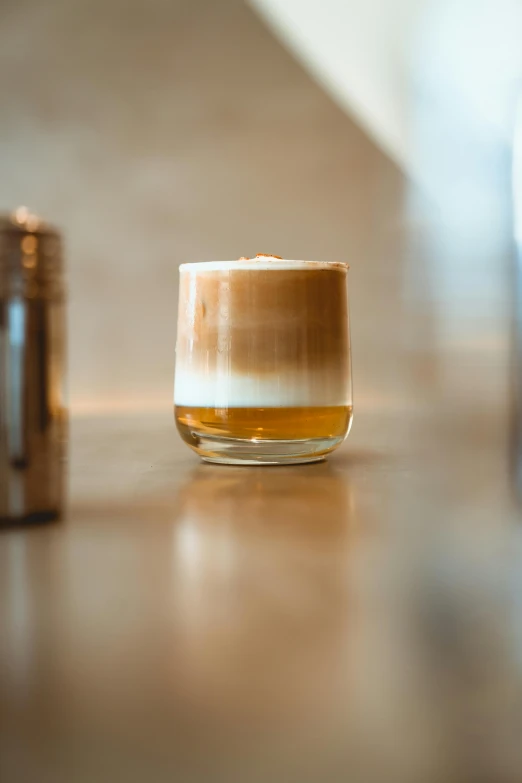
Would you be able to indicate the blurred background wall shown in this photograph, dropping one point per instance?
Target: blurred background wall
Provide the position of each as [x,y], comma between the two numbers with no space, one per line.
[436,83]
[360,50]
[175,130]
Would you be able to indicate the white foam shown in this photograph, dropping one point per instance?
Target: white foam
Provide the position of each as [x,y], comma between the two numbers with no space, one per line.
[261,263]
[220,390]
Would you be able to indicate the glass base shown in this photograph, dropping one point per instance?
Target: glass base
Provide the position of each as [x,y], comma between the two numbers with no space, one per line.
[238,451]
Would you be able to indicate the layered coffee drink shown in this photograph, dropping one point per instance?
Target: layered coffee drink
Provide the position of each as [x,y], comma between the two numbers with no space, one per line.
[263,359]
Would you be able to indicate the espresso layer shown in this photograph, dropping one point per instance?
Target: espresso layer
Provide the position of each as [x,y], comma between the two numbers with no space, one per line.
[260,322]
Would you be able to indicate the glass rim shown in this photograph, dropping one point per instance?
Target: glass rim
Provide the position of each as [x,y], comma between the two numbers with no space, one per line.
[262,263]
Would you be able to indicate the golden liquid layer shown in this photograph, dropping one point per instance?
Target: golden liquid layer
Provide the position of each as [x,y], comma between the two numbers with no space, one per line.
[264,423]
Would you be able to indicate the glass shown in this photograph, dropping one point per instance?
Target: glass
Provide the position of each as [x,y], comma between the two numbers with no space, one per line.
[263,361]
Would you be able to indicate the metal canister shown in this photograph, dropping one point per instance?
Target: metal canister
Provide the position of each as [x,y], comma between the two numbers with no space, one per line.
[33,418]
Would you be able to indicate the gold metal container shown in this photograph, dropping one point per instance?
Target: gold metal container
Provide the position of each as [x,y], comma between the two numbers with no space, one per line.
[33,418]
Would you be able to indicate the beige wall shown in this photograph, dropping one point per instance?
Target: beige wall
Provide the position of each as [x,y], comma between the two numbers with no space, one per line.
[163,131]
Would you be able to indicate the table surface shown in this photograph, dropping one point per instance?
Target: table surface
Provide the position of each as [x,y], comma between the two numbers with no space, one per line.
[357,616]
[354,619]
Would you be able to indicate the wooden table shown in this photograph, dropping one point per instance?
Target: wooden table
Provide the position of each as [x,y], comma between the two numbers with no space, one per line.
[357,619]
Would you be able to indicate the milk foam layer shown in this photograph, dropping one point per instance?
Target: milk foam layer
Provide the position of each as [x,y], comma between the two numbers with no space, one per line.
[263,332]
[272,263]
[221,390]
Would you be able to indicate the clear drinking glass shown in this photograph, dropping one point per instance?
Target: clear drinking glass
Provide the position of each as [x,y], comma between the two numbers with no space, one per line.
[263,361]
